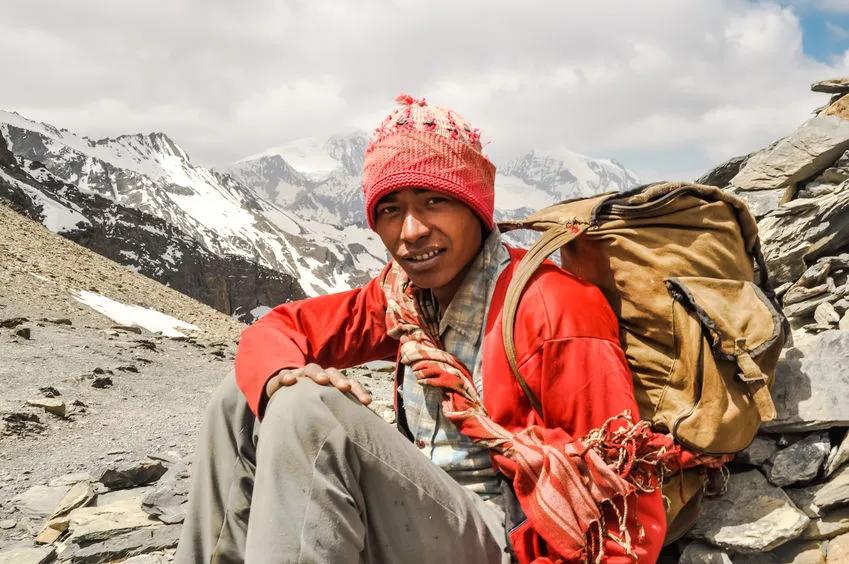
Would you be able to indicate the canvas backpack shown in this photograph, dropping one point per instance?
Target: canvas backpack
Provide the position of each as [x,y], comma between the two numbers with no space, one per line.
[681,266]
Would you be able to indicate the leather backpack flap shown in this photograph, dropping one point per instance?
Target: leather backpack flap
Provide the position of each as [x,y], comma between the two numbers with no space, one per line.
[729,336]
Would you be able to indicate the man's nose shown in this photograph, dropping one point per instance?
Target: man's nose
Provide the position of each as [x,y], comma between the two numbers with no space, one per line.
[413,228]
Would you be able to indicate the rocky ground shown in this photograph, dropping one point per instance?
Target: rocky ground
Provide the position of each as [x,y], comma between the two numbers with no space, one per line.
[98,421]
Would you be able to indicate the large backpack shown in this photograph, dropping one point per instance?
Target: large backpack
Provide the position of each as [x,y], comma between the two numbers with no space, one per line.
[681,266]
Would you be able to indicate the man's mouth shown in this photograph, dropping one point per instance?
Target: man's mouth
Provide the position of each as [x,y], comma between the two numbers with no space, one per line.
[423,258]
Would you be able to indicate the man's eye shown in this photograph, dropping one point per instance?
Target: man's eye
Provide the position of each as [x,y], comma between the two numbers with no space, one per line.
[385,210]
[436,200]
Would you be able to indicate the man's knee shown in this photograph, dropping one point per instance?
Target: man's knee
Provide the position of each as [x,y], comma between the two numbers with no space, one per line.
[303,408]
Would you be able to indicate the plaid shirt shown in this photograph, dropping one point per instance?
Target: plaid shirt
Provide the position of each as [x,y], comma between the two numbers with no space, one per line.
[461,332]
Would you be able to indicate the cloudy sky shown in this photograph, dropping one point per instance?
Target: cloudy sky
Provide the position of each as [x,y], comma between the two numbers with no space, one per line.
[667,87]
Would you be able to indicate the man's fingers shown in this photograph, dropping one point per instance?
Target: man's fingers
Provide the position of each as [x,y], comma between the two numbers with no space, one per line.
[360,392]
[338,380]
[316,373]
[322,376]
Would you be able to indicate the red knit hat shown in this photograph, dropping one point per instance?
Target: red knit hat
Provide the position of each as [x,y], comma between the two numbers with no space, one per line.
[425,146]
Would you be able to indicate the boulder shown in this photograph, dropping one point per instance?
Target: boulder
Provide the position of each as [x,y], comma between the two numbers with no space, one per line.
[838,549]
[131,543]
[168,501]
[38,503]
[96,524]
[753,516]
[838,108]
[838,455]
[50,405]
[814,500]
[814,146]
[800,461]
[27,555]
[802,231]
[825,314]
[759,451]
[130,474]
[698,553]
[830,525]
[832,86]
[806,379]
[796,552]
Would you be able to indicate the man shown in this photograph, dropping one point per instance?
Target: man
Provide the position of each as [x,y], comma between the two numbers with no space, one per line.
[299,470]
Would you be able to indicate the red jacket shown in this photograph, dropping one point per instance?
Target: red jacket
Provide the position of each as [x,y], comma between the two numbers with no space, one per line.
[567,346]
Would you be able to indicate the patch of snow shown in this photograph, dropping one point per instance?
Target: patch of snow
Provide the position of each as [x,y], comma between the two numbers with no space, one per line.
[512,193]
[133,315]
[308,156]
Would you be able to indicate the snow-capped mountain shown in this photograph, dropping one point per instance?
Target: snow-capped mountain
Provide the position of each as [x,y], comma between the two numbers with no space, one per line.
[313,179]
[296,209]
[320,180]
[154,175]
[141,242]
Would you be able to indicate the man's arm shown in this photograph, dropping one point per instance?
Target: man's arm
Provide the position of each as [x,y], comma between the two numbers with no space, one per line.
[337,330]
[586,381]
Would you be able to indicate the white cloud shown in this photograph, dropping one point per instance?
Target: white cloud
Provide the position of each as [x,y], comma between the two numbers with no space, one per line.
[667,87]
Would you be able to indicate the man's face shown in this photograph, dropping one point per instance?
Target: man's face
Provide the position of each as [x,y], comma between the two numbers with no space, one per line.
[432,236]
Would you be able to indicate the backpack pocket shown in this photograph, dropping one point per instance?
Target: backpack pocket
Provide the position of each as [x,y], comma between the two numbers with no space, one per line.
[727,339]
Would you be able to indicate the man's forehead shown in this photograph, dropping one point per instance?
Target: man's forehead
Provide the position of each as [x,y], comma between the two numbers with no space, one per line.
[393,196]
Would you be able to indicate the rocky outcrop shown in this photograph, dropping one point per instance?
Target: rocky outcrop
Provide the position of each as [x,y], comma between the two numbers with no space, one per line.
[144,243]
[787,498]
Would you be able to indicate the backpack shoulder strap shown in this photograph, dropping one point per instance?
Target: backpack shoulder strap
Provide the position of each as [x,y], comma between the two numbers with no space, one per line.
[550,241]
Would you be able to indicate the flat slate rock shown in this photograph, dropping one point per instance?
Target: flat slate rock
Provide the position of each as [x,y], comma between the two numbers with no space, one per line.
[833,523]
[130,474]
[806,379]
[800,461]
[124,545]
[759,451]
[97,524]
[838,455]
[38,502]
[27,555]
[753,516]
[832,86]
[698,553]
[796,552]
[814,500]
[812,148]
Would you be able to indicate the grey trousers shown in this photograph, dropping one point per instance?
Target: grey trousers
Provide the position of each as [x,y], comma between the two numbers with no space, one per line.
[324,480]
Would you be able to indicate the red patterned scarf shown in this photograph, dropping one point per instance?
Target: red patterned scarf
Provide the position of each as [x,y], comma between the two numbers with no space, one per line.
[566,489]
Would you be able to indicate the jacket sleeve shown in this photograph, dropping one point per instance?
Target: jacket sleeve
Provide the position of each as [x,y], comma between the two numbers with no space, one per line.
[586,381]
[339,330]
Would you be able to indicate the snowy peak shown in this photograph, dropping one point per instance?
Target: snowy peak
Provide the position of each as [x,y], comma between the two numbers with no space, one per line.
[153,174]
[144,146]
[316,179]
[570,174]
[316,159]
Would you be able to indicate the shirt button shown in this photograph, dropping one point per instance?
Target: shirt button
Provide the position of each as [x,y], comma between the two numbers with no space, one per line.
[420,443]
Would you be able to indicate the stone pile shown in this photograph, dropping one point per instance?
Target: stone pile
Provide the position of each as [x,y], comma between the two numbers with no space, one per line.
[787,497]
[125,511]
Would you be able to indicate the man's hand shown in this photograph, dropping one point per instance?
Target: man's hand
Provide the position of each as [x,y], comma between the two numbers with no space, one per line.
[319,375]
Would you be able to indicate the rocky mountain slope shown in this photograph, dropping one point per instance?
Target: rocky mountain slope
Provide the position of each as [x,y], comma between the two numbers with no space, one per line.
[98,402]
[787,498]
[152,174]
[142,242]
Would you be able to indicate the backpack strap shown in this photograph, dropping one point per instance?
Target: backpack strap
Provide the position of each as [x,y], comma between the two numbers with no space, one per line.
[551,240]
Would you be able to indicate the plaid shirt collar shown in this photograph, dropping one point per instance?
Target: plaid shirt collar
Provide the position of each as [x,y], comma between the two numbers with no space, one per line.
[466,311]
